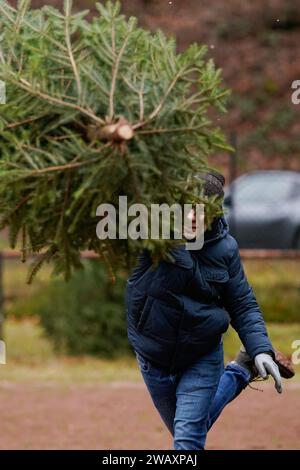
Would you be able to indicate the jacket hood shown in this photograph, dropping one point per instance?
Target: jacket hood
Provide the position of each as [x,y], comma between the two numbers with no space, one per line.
[219,229]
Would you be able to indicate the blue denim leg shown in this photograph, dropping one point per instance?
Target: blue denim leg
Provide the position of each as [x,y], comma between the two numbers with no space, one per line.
[162,389]
[195,392]
[189,403]
[234,379]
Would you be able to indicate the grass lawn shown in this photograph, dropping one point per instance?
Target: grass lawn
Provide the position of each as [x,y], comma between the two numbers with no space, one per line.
[30,356]
[276,284]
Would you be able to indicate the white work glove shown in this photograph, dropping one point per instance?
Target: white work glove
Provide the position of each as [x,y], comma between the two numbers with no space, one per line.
[266,366]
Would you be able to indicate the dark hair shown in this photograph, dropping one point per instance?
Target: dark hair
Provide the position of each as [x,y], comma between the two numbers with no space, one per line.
[213,183]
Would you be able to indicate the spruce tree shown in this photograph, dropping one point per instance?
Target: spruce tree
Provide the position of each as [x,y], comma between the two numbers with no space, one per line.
[97,109]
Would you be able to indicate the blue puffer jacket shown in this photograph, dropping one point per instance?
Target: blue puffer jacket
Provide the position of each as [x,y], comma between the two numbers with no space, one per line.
[178,311]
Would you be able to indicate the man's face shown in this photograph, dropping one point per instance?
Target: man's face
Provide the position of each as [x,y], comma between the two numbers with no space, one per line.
[193,228]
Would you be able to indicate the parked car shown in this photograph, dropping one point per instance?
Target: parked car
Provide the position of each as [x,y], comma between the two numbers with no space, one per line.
[263,209]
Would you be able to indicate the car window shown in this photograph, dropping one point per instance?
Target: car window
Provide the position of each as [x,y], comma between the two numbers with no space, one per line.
[296,190]
[263,188]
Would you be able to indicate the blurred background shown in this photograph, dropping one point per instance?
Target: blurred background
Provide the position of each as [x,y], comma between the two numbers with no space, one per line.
[71,380]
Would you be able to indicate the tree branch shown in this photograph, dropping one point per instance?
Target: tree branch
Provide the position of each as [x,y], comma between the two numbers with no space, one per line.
[141,100]
[36,30]
[158,108]
[25,85]
[170,130]
[114,77]
[68,5]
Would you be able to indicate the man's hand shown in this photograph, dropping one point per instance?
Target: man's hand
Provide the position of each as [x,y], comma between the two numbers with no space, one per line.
[266,366]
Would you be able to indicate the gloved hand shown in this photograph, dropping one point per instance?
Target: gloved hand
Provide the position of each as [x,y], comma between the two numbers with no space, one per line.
[266,366]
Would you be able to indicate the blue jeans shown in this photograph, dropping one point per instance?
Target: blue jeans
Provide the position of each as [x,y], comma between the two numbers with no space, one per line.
[189,402]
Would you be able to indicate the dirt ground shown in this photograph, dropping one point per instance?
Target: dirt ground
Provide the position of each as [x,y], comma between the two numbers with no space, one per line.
[121,416]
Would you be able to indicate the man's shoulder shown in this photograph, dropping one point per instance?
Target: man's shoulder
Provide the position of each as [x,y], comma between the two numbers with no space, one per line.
[224,251]
[232,247]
